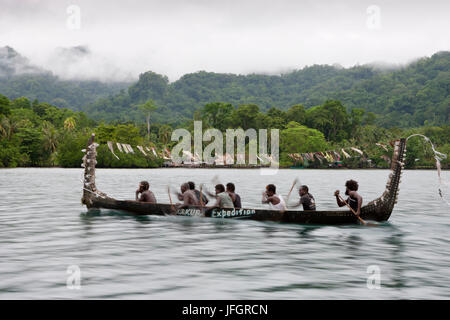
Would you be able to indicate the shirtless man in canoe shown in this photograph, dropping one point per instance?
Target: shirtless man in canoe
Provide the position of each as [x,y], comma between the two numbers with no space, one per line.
[145,194]
[188,196]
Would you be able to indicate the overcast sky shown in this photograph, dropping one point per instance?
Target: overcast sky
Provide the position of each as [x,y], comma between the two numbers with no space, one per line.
[176,37]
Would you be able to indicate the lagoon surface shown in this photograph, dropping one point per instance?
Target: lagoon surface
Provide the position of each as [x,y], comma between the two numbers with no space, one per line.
[44,230]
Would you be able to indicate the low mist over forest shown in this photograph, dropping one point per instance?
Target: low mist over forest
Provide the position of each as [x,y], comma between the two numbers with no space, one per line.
[412,95]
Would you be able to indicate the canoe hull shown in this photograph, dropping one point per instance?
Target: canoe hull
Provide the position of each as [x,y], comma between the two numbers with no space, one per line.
[288,216]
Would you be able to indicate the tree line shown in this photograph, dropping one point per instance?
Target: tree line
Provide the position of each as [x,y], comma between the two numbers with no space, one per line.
[411,96]
[34,133]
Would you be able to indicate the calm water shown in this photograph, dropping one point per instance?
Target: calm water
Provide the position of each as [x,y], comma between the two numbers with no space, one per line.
[44,230]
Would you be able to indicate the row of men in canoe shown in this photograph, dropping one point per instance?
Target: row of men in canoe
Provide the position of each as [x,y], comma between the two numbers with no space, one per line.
[226,197]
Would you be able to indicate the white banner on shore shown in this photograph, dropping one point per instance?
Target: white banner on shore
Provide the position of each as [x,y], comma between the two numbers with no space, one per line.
[110,146]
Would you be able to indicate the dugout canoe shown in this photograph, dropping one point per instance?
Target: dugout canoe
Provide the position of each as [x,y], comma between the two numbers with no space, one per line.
[379,209]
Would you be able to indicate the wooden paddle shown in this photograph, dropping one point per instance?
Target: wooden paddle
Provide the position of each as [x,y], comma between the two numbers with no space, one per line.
[201,196]
[289,194]
[170,198]
[360,219]
[215,179]
[293,184]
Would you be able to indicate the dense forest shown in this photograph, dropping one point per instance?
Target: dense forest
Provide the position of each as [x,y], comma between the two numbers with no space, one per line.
[410,96]
[40,134]
[414,95]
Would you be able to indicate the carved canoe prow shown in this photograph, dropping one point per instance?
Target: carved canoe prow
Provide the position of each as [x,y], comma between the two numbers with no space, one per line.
[379,209]
[382,206]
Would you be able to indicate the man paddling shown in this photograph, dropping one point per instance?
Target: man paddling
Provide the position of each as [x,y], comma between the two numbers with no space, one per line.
[306,199]
[146,194]
[234,196]
[223,200]
[197,193]
[275,200]
[187,196]
[354,199]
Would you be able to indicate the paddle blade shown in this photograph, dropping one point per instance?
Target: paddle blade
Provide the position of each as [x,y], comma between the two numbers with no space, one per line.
[215,180]
[296,180]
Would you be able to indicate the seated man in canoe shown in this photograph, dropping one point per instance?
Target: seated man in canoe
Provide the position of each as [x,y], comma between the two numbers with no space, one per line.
[223,200]
[354,200]
[275,200]
[197,193]
[306,199]
[187,196]
[145,194]
[234,196]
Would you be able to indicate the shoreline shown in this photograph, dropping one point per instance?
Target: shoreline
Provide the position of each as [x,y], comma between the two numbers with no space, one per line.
[212,168]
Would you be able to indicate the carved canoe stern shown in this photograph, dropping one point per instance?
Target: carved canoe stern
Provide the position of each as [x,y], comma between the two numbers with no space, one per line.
[89,162]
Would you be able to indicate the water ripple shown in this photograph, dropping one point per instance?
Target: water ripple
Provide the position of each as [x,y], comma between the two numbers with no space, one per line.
[46,230]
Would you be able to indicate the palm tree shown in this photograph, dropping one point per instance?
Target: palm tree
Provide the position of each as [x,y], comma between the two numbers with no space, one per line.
[50,137]
[147,108]
[164,133]
[4,127]
[70,123]
[7,127]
